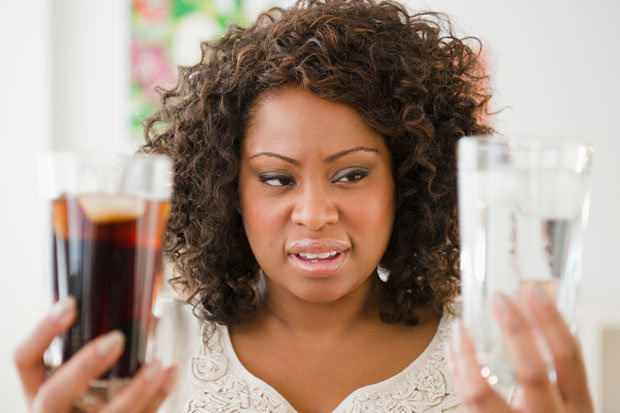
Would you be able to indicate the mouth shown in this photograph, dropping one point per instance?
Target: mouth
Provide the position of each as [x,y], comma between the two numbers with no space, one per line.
[320,265]
[320,257]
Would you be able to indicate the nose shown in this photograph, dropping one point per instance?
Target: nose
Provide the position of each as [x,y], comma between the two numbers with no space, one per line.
[314,208]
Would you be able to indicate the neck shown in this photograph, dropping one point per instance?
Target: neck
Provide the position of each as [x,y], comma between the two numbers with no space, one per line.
[312,318]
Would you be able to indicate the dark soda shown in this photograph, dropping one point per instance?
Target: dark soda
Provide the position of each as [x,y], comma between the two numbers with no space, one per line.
[107,254]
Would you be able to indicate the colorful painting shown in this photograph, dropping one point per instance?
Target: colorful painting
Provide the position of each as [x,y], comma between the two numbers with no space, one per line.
[166,34]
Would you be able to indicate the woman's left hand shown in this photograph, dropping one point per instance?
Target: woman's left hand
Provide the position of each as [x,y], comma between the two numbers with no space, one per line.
[537,392]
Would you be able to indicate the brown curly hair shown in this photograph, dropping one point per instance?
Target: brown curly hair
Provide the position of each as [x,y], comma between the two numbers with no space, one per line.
[409,78]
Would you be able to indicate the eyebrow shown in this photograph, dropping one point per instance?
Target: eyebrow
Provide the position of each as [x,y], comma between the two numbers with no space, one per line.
[330,158]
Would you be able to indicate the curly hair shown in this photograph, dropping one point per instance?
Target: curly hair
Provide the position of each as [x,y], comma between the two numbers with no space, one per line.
[409,77]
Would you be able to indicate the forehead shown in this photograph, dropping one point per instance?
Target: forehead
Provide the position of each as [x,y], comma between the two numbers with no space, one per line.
[295,121]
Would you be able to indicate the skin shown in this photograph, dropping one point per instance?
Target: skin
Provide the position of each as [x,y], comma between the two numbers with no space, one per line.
[321,326]
[350,198]
[60,392]
[536,393]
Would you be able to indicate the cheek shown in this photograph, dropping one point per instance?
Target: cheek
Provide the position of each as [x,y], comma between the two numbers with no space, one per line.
[371,212]
[262,220]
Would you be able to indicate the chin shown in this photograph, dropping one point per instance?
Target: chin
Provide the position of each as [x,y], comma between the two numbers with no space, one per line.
[318,298]
[322,292]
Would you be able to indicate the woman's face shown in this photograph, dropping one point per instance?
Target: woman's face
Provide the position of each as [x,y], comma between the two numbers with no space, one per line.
[317,195]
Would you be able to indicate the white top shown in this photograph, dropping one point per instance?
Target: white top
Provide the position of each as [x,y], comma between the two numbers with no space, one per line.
[212,379]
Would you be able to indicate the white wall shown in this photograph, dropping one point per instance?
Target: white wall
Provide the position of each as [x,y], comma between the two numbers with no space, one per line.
[24,116]
[556,65]
[556,68]
[64,73]
[90,75]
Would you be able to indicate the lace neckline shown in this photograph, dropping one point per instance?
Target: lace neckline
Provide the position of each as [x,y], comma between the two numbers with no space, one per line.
[416,364]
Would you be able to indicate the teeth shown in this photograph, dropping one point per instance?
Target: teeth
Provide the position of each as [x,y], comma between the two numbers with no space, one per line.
[322,255]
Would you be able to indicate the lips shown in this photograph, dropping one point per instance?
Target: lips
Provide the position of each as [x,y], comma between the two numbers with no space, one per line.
[317,246]
[318,258]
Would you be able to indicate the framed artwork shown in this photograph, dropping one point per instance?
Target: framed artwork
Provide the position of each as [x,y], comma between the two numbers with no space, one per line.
[166,34]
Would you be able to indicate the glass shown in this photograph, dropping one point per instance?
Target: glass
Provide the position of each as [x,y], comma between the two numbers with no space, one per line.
[523,209]
[106,218]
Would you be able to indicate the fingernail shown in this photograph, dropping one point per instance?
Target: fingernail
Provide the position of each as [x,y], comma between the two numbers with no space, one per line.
[539,295]
[110,342]
[152,369]
[172,377]
[502,303]
[63,309]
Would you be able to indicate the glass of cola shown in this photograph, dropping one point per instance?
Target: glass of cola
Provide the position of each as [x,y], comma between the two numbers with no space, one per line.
[106,218]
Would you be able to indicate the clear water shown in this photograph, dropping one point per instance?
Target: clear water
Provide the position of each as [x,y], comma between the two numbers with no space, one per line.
[517,228]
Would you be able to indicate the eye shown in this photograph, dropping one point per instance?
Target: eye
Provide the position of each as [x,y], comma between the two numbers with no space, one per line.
[353,176]
[276,180]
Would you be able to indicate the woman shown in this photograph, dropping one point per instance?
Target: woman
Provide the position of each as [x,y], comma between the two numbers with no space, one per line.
[313,229]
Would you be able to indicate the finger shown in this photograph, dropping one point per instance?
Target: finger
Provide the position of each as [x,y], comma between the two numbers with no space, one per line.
[476,394]
[73,378]
[136,396]
[569,366]
[539,394]
[517,402]
[165,389]
[28,356]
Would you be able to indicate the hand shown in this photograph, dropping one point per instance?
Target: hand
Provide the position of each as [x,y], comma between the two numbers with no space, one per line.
[538,393]
[59,392]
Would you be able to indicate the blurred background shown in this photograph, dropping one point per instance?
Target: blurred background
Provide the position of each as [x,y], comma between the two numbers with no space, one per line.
[80,75]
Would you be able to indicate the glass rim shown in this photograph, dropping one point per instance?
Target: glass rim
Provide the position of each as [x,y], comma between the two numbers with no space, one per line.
[62,173]
[524,143]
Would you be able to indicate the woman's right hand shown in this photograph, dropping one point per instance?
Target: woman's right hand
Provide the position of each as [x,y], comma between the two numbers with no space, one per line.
[59,392]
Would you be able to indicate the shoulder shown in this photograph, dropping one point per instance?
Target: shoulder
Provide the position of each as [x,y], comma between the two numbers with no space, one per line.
[424,386]
[454,310]
[211,378]
[177,332]
[177,337]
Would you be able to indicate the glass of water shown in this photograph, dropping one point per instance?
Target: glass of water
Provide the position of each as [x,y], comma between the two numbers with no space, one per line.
[523,209]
